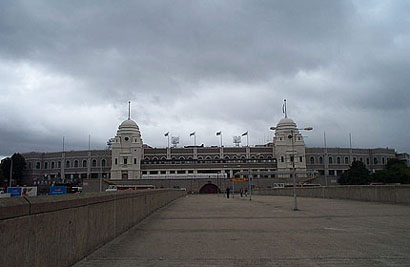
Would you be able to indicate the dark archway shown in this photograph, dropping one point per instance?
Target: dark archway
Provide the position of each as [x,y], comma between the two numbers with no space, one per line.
[209,189]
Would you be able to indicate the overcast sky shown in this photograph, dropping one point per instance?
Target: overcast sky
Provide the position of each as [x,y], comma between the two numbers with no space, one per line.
[69,68]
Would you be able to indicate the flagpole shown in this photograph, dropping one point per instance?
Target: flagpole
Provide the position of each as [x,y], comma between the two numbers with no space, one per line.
[325,159]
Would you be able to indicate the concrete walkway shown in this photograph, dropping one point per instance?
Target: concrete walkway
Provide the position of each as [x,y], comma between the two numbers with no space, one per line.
[210,230]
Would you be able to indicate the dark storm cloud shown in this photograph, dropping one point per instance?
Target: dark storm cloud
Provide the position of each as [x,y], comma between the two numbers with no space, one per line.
[205,65]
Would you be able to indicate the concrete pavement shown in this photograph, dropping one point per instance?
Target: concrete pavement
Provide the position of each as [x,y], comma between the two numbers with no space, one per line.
[210,230]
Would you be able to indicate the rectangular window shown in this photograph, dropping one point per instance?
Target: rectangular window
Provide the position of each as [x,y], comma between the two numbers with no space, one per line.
[115,161]
[135,160]
[180,172]
[125,160]
[172,172]
[163,172]
[300,159]
[190,171]
[59,164]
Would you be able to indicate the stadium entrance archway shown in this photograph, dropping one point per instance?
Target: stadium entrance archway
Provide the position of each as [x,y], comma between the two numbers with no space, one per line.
[209,189]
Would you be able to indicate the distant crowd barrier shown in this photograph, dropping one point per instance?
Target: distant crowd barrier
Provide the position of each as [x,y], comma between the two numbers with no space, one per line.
[375,193]
[61,230]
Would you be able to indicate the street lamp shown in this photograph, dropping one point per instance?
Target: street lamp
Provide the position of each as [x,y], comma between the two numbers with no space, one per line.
[292,137]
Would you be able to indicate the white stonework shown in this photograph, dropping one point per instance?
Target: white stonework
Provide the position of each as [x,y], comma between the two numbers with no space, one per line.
[127,152]
[289,146]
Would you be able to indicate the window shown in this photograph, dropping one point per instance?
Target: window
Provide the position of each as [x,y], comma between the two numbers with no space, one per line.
[115,161]
[300,159]
[45,165]
[59,164]
[125,160]
[291,158]
[312,160]
[84,164]
[143,172]
[338,160]
[172,172]
[367,161]
[153,172]
[346,160]
[282,159]
[330,160]
[383,160]
[94,163]
[163,172]
[38,165]
[375,161]
[103,162]
[354,159]
[52,165]
[331,172]
[76,163]
[181,172]
[190,171]
[320,160]
[67,164]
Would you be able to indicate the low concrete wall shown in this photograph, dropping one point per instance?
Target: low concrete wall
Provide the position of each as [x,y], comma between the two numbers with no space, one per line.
[379,193]
[61,230]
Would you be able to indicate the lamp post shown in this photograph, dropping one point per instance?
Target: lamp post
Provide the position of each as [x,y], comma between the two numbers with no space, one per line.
[292,137]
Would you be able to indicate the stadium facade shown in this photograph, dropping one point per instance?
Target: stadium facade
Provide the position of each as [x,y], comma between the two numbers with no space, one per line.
[130,161]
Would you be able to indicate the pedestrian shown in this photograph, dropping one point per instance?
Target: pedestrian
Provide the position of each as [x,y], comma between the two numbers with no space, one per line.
[241,192]
[246,192]
[228,190]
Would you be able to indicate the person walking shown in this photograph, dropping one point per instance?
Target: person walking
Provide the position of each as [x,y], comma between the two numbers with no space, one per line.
[246,192]
[228,190]
[241,192]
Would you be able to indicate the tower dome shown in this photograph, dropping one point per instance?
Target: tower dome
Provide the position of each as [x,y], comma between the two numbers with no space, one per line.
[286,124]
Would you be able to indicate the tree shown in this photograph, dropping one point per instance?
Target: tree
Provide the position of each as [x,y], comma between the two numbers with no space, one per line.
[396,172]
[357,174]
[19,165]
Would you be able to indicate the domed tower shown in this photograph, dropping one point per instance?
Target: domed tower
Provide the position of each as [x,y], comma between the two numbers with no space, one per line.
[127,152]
[289,148]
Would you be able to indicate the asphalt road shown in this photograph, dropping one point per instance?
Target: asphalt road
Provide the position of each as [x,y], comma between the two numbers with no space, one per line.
[210,230]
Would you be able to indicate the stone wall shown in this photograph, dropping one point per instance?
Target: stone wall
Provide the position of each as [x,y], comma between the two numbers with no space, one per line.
[378,193]
[61,230]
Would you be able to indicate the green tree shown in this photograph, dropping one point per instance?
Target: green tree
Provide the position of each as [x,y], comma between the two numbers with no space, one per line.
[396,172]
[19,165]
[357,174]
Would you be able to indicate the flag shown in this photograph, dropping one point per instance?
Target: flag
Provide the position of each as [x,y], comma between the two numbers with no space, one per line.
[218,133]
[191,134]
[245,133]
[166,134]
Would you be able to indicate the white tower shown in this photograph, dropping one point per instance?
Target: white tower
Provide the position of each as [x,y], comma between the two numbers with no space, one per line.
[127,152]
[289,147]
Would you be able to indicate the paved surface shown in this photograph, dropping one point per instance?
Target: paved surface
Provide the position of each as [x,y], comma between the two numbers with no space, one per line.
[210,230]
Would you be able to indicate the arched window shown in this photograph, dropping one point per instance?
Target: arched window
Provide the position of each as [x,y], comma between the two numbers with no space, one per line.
[282,159]
[346,160]
[375,161]
[227,157]
[38,165]
[200,157]
[45,165]
[75,163]
[84,163]
[320,160]
[338,160]
[208,157]
[330,160]
[163,158]
[67,164]
[103,162]
[94,163]
[312,160]
[52,165]
[181,158]
[260,157]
